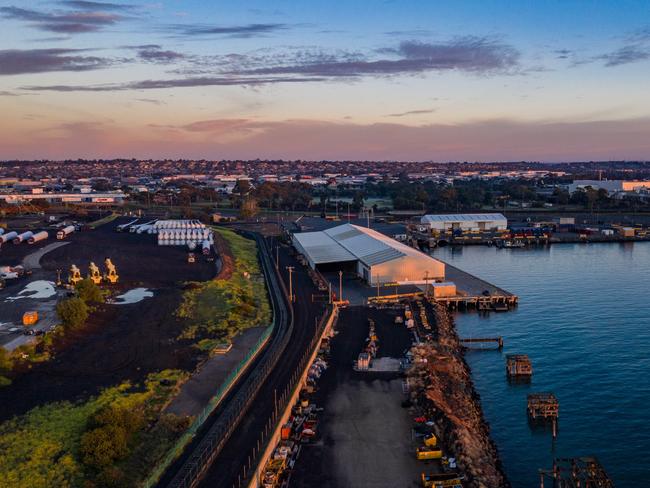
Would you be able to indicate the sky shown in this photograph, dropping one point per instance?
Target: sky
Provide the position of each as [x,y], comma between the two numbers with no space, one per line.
[429,80]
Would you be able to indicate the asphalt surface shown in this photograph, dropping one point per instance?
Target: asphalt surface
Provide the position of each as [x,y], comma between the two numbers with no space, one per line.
[364,435]
[229,465]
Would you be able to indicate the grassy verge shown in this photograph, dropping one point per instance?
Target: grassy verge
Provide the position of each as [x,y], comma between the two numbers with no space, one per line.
[45,447]
[217,310]
[102,221]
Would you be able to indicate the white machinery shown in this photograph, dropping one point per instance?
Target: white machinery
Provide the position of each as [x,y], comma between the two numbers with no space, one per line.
[94,274]
[74,275]
[65,232]
[39,236]
[124,227]
[111,272]
[206,247]
[23,237]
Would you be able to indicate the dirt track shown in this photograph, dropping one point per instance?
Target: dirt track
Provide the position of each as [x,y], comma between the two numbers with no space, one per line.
[121,342]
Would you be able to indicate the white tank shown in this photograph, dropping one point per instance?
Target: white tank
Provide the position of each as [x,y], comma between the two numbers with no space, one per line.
[205,247]
[191,245]
[39,236]
[23,237]
[9,236]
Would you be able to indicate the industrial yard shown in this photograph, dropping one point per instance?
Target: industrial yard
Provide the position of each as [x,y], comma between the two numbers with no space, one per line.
[135,334]
[120,342]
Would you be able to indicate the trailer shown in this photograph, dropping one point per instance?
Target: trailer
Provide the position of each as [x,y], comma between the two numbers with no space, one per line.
[65,232]
[9,236]
[39,236]
[23,237]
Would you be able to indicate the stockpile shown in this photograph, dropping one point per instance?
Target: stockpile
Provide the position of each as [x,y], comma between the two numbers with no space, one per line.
[441,388]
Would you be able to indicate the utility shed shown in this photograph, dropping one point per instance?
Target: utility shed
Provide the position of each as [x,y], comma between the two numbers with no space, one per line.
[376,258]
[451,222]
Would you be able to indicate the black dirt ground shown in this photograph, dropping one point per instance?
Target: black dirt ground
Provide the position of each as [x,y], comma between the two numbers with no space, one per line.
[121,342]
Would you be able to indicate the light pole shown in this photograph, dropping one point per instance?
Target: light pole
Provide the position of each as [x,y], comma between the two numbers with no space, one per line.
[290,270]
[426,283]
[340,286]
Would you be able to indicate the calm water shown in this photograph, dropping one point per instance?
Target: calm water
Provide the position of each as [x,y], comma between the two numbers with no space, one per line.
[584,320]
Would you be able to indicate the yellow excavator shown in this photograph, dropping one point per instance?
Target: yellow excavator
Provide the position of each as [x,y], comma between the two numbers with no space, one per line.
[94,274]
[74,275]
[111,275]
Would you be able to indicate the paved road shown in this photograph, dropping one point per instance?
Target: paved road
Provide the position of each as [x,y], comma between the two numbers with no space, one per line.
[195,393]
[33,260]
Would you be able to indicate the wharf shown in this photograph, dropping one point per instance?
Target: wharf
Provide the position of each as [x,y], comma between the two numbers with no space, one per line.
[473,292]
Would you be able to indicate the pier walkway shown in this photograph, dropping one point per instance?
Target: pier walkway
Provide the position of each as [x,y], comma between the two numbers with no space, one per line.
[473,292]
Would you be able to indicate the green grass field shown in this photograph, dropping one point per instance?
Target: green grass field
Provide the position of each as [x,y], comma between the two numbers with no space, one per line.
[217,310]
[41,448]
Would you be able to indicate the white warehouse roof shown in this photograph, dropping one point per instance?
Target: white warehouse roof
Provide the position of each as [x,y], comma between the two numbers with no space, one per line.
[350,242]
[485,217]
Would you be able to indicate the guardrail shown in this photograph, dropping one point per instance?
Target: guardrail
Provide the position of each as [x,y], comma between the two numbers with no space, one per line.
[213,441]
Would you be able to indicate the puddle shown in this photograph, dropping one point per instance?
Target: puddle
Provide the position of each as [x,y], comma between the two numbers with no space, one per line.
[36,289]
[133,296]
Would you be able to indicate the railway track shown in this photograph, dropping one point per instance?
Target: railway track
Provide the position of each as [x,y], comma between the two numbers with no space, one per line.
[210,441]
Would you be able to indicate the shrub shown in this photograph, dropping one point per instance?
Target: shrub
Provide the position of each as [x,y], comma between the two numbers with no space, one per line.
[89,292]
[100,447]
[108,441]
[73,312]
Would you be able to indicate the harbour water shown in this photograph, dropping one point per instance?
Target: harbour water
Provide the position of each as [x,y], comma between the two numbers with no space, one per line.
[583,318]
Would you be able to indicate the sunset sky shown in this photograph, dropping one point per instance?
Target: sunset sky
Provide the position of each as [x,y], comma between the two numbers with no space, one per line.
[372,80]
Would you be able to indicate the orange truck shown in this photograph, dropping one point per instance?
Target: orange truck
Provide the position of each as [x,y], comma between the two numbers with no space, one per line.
[30,318]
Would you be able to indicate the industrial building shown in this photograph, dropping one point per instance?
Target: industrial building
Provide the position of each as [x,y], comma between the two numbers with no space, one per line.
[114,197]
[452,222]
[376,258]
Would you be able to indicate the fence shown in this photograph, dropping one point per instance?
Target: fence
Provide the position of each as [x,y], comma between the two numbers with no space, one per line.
[218,434]
[200,419]
[270,436]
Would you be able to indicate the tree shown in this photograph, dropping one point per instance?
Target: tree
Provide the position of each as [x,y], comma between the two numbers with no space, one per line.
[103,445]
[108,439]
[89,292]
[6,366]
[73,312]
[248,208]
[242,188]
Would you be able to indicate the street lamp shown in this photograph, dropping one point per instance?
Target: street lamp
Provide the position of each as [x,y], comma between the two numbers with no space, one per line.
[340,286]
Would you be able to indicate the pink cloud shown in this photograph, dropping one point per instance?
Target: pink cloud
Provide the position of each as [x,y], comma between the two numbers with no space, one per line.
[501,140]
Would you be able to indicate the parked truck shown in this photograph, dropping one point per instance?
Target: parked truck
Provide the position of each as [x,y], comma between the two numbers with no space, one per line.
[65,232]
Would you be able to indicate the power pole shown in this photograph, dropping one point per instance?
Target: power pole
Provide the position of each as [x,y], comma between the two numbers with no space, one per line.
[290,270]
[426,283]
[277,256]
[340,286]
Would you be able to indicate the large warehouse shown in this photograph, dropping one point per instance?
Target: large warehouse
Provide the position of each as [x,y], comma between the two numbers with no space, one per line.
[451,222]
[376,258]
